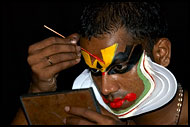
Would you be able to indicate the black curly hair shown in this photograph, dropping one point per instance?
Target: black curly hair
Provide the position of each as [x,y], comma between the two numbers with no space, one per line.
[143,20]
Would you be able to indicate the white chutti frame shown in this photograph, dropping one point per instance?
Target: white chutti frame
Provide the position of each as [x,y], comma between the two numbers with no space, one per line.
[162,90]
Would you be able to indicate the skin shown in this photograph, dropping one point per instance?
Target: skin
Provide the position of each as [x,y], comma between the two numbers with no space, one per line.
[63,53]
[115,85]
[111,86]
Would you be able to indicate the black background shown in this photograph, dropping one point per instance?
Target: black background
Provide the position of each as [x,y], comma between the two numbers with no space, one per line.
[22,25]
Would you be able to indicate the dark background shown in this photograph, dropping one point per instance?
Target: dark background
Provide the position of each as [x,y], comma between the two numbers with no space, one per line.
[22,25]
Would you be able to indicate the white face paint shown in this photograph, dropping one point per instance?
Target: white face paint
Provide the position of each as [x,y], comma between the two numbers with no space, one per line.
[160,88]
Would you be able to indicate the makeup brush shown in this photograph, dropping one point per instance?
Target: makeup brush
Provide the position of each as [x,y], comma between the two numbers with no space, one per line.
[81,47]
[54,31]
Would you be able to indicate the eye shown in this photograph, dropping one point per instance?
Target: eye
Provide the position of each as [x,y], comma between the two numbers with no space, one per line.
[119,67]
[95,72]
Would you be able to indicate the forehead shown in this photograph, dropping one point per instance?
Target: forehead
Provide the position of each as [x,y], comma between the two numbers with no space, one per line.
[94,45]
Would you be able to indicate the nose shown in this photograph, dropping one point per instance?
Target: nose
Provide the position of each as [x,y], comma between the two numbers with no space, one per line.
[109,84]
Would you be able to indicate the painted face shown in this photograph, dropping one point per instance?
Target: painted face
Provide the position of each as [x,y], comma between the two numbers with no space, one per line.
[99,64]
[113,63]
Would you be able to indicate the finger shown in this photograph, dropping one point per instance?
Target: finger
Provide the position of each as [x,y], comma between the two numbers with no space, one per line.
[74,36]
[86,113]
[77,121]
[44,43]
[57,58]
[107,113]
[51,41]
[55,68]
[55,49]
[63,57]
[51,50]
[48,72]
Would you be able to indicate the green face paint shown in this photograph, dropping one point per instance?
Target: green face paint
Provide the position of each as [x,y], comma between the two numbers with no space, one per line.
[147,87]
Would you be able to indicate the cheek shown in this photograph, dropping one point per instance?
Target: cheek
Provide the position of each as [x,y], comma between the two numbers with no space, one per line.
[131,82]
[128,82]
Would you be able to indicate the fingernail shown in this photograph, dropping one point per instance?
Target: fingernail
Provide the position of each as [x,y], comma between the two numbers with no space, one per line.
[67,108]
[73,41]
[64,120]
[77,60]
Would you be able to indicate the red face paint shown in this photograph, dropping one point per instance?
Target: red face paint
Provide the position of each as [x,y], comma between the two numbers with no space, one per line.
[118,102]
[131,97]
[105,100]
[117,99]
[93,55]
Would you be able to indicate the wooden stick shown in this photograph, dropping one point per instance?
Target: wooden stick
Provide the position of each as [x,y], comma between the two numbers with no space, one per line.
[64,37]
[54,31]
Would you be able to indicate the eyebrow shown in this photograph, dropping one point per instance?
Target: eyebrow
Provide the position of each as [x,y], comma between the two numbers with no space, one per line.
[96,57]
[117,61]
[123,56]
[126,55]
[134,51]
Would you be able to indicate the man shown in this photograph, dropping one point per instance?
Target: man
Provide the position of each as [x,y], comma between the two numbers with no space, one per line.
[126,48]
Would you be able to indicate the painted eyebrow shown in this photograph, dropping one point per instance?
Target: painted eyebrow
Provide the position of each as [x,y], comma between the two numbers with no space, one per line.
[135,50]
[96,57]
[117,61]
[117,58]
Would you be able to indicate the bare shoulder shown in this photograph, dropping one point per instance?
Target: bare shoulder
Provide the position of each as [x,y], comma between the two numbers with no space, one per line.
[184,112]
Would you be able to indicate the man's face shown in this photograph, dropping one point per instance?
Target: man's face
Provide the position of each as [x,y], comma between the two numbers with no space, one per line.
[112,53]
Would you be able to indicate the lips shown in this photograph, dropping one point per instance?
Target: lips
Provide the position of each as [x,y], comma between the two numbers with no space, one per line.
[118,102]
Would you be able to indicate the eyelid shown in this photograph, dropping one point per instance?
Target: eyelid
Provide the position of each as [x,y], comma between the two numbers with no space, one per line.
[123,65]
[98,73]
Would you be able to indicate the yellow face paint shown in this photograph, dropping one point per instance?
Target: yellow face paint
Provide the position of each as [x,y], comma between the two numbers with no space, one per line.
[107,55]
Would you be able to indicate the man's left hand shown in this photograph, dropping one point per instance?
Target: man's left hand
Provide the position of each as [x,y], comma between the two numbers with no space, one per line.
[89,117]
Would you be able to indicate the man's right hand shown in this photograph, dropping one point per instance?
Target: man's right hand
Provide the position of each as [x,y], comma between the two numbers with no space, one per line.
[50,56]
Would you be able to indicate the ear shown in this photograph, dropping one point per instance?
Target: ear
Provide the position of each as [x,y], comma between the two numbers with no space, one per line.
[162,52]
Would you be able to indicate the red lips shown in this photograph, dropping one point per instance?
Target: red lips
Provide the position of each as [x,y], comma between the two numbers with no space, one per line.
[118,102]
